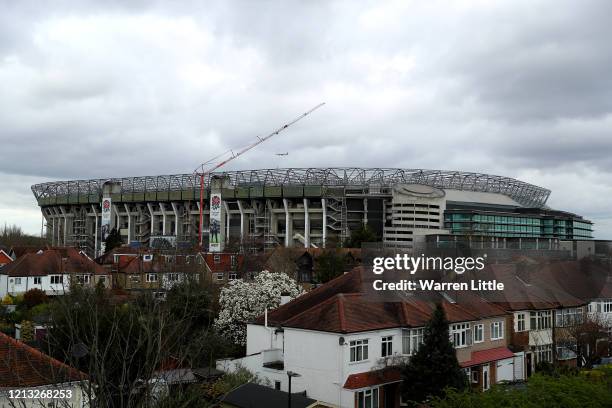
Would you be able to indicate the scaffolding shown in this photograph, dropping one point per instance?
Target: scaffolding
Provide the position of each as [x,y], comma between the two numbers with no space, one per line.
[80,237]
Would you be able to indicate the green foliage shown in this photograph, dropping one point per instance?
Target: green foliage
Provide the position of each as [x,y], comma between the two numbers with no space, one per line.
[434,367]
[113,240]
[7,300]
[39,310]
[27,331]
[34,297]
[541,391]
[233,380]
[358,237]
[329,265]
[193,396]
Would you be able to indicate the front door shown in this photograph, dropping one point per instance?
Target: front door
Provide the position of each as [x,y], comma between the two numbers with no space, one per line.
[390,395]
[485,377]
[528,363]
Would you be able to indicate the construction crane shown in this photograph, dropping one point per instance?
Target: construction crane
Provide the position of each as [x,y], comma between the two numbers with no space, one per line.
[211,165]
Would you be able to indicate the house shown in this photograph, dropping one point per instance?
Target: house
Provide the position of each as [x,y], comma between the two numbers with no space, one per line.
[346,347]
[223,267]
[301,263]
[145,269]
[26,371]
[252,395]
[52,271]
[153,271]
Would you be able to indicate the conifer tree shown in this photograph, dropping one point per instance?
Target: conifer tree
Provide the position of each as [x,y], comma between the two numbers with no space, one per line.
[434,367]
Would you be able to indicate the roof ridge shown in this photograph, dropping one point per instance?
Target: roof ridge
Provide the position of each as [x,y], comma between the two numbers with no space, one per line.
[315,291]
[331,299]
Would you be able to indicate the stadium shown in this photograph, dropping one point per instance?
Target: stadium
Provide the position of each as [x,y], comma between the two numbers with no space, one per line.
[310,207]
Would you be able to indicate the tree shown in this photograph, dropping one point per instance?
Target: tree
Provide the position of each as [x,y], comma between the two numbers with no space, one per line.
[329,265]
[34,297]
[121,344]
[359,236]
[13,235]
[587,336]
[434,367]
[27,331]
[241,302]
[113,240]
[233,380]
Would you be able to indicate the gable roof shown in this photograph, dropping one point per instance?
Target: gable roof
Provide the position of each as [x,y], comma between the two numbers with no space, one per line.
[5,258]
[252,395]
[52,261]
[341,306]
[225,261]
[24,366]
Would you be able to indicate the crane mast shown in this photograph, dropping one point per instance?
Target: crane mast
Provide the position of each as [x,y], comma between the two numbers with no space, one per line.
[210,166]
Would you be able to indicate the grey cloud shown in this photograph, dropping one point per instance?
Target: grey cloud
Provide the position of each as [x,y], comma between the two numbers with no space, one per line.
[138,88]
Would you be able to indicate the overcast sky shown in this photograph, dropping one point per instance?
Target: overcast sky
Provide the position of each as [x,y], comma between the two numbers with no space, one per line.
[517,88]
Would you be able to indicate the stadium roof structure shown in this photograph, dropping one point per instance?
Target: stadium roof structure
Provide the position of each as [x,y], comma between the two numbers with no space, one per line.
[524,193]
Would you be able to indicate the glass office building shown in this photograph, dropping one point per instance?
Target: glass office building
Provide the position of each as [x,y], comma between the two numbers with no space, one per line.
[517,222]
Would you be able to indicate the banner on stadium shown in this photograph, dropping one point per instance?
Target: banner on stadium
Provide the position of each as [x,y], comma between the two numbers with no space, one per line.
[214,232]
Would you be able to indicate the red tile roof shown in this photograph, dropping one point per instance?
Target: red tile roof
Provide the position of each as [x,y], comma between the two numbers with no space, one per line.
[52,261]
[24,366]
[225,262]
[5,258]
[341,306]
[486,356]
[372,378]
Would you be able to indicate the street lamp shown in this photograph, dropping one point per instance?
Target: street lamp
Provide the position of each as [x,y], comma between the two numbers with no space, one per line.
[290,375]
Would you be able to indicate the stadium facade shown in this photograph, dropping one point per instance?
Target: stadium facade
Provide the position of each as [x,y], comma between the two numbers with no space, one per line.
[310,207]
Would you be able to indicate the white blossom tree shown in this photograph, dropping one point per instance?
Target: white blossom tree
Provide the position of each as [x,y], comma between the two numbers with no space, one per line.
[241,302]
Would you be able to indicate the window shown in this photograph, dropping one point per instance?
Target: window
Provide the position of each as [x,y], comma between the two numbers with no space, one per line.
[17,281]
[57,279]
[277,385]
[565,351]
[173,277]
[102,279]
[543,353]
[497,330]
[134,278]
[233,276]
[358,350]
[83,279]
[520,322]
[606,307]
[234,260]
[540,320]
[368,398]
[568,317]
[460,335]
[411,340]
[475,376]
[479,333]
[151,277]
[386,346]
[217,259]
[37,280]
[219,275]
